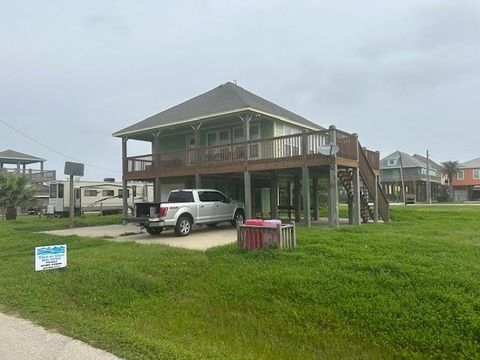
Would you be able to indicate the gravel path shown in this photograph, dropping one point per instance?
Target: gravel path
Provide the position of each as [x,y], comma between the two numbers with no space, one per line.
[22,340]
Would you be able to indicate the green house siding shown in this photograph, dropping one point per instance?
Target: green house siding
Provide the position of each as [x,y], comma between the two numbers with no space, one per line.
[178,139]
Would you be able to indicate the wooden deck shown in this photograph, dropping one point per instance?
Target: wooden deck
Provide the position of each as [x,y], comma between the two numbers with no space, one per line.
[291,151]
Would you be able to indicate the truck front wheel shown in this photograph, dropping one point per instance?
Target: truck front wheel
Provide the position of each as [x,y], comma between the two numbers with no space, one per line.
[154,230]
[184,226]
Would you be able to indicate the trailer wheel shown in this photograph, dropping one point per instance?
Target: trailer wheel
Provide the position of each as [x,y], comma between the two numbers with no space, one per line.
[184,226]
[154,230]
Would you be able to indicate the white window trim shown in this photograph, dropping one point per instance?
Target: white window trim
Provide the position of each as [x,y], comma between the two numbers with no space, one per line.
[461,177]
[478,172]
[392,162]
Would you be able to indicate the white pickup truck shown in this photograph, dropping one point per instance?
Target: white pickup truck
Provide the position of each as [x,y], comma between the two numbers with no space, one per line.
[189,207]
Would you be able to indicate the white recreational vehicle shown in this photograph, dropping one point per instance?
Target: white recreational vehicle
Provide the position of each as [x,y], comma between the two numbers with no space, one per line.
[95,196]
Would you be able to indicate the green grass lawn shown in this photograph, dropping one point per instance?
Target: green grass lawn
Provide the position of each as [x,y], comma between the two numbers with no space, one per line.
[409,289]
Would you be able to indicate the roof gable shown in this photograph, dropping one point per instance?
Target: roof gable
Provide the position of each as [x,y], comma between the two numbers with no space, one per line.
[224,99]
[407,161]
[12,156]
[475,163]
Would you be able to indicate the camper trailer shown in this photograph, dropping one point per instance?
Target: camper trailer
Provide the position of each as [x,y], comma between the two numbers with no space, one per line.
[95,196]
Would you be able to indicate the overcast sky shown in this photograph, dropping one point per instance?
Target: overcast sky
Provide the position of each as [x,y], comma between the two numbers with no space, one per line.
[403,74]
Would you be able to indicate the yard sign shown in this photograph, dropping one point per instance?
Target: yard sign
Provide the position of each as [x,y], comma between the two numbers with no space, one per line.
[50,257]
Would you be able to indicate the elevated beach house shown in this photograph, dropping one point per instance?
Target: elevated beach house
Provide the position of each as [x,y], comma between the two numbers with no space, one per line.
[414,173]
[256,151]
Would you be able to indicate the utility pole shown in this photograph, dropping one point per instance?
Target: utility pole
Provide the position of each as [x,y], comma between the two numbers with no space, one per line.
[429,184]
[402,178]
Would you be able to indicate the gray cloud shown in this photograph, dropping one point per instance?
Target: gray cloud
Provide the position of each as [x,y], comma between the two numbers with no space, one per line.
[403,75]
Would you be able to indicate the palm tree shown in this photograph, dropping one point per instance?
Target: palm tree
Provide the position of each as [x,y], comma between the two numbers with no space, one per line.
[450,168]
[15,190]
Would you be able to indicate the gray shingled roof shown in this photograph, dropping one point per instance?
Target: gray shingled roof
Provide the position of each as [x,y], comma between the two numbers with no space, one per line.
[12,157]
[224,99]
[475,163]
[433,164]
[407,161]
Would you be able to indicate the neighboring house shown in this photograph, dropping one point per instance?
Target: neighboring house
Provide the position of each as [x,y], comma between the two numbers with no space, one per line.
[466,183]
[233,140]
[415,176]
[14,162]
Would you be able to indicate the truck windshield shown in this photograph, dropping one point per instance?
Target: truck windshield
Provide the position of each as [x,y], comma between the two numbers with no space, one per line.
[180,197]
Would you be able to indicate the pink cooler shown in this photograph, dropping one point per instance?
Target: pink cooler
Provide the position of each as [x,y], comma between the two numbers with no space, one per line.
[253,238]
[271,237]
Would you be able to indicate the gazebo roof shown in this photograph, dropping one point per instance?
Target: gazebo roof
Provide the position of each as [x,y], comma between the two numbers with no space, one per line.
[16,157]
[225,99]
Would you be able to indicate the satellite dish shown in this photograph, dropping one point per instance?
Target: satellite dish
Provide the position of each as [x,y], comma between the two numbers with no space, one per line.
[328,150]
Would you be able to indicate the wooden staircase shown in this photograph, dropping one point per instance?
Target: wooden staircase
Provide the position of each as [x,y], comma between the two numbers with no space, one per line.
[368,184]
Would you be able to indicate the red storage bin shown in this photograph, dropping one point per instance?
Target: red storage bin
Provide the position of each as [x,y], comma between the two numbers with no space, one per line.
[253,237]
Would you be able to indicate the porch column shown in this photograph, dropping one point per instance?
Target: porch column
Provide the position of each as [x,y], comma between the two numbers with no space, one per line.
[42,169]
[198,181]
[246,118]
[296,196]
[315,197]
[356,197]
[24,168]
[333,183]
[415,190]
[356,202]
[274,195]
[18,167]
[375,200]
[247,182]
[124,181]
[306,195]
[157,190]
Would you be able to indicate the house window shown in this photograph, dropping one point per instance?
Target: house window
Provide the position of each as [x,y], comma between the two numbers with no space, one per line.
[108,193]
[220,137]
[461,175]
[391,162]
[476,173]
[87,193]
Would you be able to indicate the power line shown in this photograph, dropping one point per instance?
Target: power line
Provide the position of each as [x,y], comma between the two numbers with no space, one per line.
[53,150]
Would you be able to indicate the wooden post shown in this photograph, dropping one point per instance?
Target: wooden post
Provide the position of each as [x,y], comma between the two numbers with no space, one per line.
[306,196]
[198,181]
[296,196]
[157,190]
[274,195]
[333,183]
[124,181]
[248,194]
[315,197]
[72,204]
[356,197]
[375,201]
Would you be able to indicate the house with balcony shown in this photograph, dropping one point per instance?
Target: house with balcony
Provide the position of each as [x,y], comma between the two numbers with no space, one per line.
[466,183]
[15,162]
[252,149]
[414,172]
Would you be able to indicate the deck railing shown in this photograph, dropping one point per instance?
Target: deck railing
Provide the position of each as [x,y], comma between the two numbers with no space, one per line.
[34,175]
[299,145]
[374,158]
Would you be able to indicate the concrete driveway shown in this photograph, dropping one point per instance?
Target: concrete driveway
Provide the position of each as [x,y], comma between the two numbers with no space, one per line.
[201,238]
